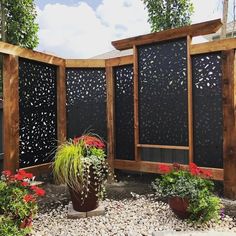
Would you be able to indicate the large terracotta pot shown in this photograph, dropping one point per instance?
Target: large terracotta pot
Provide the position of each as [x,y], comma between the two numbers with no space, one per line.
[179,206]
[85,204]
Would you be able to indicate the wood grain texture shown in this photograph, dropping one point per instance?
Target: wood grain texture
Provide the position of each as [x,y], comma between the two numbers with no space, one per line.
[110,116]
[85,63]
[10,49]
[204,28]
[39,169]
[190,100]
[213,46]
[61,104]
[136,108]
[11,112]
[152,167]
[162,146]
[229,108]
[120,61]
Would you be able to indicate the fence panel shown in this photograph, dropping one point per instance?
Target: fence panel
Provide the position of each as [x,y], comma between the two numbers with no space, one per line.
[38,112]
[86,101]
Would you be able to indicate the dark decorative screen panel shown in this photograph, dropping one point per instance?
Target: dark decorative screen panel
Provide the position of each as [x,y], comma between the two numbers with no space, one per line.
[38,109]
[86,101]
[124,112]
[163,98]
[208,110]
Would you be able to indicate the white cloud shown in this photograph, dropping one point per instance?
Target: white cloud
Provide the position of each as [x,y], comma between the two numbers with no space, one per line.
[81,32]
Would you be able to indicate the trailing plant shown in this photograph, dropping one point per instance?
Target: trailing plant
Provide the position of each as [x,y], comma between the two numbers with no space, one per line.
[18,202]
[192,183]
[77,160]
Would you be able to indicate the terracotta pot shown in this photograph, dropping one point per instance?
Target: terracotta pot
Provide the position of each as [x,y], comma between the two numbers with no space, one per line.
[179,206]
[86,204]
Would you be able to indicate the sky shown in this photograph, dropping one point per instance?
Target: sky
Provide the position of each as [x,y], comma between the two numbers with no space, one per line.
[85,28]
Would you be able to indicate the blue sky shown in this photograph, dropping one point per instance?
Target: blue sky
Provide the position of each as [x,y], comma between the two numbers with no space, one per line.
[85,28]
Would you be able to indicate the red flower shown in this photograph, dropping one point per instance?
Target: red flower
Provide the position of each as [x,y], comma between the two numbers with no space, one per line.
[25,174]
[19,177]
[207,173]
[7,173]
[29,198]
[194,169]
[164,168]
[38,191]
[92,141]
[24,184]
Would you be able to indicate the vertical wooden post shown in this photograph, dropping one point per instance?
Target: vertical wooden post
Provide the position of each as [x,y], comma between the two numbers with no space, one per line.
[11,112]
[110,116]
[136,110]
[190,99]
[229,111]
[61,104]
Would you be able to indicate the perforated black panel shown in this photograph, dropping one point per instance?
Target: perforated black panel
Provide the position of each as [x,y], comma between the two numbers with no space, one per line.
[208,110]
[86,101]
[163,116]
[124,112]
[38,108]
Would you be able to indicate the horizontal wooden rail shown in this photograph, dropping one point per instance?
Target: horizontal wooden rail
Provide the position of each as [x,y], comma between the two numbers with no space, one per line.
[162,146]
[204,28]
[85,63]
[39,169]
[152,167]
[13,50]
[213,46]
[120,61]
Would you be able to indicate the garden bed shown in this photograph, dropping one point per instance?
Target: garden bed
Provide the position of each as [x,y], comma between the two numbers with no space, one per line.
[131,209]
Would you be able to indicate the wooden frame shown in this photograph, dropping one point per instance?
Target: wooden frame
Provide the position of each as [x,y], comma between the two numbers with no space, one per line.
[226,46]
[204,28]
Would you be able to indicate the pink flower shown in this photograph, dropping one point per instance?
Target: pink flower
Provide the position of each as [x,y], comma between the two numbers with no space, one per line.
[7,173]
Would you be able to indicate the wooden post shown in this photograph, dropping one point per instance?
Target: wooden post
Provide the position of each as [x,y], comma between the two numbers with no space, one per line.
[190,100]
[110,116]
[136,110]
[229,109]
[61,104]
[11,112]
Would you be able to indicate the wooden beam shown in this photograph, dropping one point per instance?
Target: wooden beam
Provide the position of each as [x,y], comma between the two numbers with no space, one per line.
[61,104]
[136,109]
[204,28]
[120,61]
[11,112]
[39,169]
[110,115]
[151,167]
[10,49]
[85,63]
[190,100]
[162,146]
[229,108]
[213,46]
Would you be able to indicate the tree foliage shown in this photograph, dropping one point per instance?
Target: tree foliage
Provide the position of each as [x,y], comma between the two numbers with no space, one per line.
[168,14]
[19,26]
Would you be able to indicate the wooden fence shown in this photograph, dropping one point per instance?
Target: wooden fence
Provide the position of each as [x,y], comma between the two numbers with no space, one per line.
[171,101]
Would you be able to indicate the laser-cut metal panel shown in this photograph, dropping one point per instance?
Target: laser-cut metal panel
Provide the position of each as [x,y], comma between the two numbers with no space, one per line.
[38,109]
[86,101]
[124,112]
[208,110]
[163,114]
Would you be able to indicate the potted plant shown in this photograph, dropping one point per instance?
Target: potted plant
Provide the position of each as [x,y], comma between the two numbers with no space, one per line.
[189,192]
[18,203]
[81,164]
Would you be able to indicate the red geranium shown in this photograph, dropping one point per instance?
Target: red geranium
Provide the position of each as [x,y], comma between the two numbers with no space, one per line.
[164,168]
[7,173]
[194,169]
[38,191]
[92,141]
[29,198]
[24,184]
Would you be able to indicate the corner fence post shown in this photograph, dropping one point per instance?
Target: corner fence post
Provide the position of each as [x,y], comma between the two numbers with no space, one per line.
[229,139]
[11,112]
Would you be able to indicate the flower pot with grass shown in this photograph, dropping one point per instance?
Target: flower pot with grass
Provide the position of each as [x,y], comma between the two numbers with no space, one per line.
[189,192]
[81,164]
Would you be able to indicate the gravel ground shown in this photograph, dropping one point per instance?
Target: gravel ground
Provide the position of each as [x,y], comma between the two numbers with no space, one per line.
[127,214]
